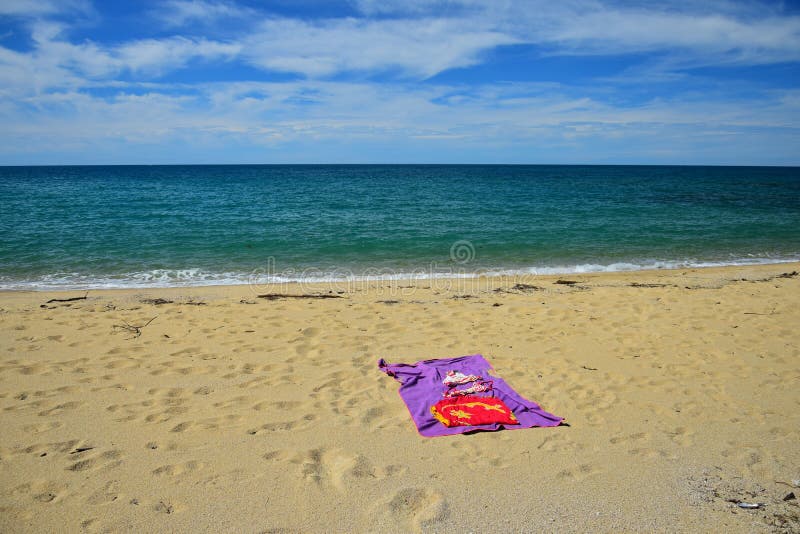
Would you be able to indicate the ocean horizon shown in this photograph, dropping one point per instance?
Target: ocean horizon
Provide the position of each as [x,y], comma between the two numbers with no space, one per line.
[89,227]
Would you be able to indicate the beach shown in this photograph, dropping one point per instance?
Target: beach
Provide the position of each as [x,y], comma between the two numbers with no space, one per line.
[216,409]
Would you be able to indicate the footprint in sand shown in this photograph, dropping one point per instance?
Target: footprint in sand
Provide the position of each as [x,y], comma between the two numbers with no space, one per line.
[472,453]
[112,387]
[213,423]
[167,506]
[43,427]
[260,381]
[631,438]
[234,402]
[61,408]
[333,467]
[93,461]
[125,363]
[648,453]
[174,470]
[42,449]
[106,494]
[47,496]
[301,424]
[277,405]
[559,442]
[42,491]
[171,393]
[682,436]
[165,415]
[371,415]
[580,472]
[419,508]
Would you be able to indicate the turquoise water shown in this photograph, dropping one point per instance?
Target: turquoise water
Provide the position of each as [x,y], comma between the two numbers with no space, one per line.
[122,226]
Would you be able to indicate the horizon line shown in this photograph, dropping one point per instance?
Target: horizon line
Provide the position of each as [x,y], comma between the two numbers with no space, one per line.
[791,166]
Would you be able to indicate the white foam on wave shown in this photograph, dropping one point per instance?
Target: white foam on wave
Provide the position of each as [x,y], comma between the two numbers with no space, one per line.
[163,278]
[643,266]
[156,278]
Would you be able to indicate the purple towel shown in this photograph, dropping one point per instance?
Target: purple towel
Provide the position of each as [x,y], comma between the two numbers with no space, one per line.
[421,387]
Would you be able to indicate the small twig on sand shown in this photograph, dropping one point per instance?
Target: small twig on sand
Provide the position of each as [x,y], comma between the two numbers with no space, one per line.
[136,330]
[69,299]
[756,313]
[589,368]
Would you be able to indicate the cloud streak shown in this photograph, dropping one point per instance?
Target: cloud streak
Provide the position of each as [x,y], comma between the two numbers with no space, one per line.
[419,48]
[176,13]
[312,116]
[35,8]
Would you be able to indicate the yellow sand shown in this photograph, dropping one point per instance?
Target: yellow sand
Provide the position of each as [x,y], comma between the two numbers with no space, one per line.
[249,415]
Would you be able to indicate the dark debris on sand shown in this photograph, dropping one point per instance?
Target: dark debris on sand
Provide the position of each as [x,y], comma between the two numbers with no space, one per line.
[276,296]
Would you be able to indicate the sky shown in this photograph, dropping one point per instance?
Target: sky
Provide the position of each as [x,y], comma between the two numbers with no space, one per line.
[682,82]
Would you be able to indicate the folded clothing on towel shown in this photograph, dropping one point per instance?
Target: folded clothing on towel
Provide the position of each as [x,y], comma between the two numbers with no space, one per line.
[421,389]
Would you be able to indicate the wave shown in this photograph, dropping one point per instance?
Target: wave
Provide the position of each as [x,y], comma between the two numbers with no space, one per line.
[164,278]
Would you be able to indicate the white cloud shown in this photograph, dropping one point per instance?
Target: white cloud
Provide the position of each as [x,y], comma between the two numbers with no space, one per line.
[711,37]
[311,114]
[48,99]
[421,39]
[157,55]
[711,32]
[34,8]
[180,12]
[419,48]
[57,63]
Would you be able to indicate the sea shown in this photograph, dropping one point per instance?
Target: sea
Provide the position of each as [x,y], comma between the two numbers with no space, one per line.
[85,227]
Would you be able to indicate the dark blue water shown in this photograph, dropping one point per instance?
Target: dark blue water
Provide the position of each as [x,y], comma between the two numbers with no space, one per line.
[172,225]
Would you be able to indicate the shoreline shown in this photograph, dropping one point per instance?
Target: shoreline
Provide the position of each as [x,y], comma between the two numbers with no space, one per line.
[414,276]
[145,410]
[479,282]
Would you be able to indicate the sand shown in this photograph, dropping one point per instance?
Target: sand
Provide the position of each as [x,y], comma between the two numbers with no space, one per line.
[233,413]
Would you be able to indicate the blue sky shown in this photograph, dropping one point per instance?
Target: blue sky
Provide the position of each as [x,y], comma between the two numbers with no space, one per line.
[371,81]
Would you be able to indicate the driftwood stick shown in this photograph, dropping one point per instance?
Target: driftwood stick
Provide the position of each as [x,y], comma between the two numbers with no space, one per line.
[275,296]
[69,299]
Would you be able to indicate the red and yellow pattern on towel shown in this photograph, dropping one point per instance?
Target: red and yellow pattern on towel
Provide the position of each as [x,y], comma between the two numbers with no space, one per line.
[470,411]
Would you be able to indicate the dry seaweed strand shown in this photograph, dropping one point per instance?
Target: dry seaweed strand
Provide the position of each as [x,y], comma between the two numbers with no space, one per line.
[156,301]
[527,287]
